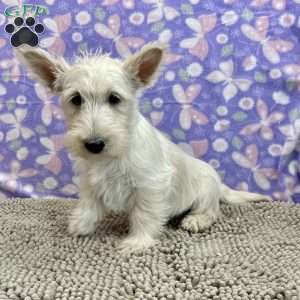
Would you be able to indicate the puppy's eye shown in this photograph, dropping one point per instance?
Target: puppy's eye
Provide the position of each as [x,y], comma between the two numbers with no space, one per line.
[114,99]
[76,100]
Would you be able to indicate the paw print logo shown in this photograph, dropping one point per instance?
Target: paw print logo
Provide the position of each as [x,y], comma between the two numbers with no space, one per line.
[24,33]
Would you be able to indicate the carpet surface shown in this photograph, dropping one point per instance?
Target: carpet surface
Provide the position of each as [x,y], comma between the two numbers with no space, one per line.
[253,252]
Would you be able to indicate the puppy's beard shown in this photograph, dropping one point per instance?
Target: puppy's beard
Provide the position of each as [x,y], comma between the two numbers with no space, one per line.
[115,148]
[75,145]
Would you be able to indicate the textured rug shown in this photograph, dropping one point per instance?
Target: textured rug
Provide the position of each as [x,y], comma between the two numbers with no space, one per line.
[253,252]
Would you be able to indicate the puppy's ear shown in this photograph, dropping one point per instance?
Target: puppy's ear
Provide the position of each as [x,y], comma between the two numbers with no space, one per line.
[143,67]
[44,67]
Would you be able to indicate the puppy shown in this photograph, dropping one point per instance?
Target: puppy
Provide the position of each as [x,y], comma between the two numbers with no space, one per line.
[124,164]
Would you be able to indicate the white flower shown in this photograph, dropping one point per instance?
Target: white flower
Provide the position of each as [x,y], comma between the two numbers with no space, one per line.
[50,183]
[170,76]
[220,145]
[229,18]
[287,20]
[77,37]
[194,69]
[225,75]
[222,110]
[275,150]
[21,99]
[214,163]
[280,97]
[137,18]
[157,102]
[222,38]
[246,103]
[22,153]
[275,73]
[83,18]
[221,125]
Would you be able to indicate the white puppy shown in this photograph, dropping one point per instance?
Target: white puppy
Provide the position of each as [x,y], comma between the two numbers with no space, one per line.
[124,163]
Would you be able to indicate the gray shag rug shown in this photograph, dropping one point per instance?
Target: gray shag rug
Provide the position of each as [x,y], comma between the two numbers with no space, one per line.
[253,252]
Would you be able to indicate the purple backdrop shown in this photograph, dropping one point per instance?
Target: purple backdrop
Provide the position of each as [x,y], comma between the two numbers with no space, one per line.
[229,93]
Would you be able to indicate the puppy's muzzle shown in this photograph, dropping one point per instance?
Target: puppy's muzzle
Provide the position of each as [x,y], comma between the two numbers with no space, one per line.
[94,146]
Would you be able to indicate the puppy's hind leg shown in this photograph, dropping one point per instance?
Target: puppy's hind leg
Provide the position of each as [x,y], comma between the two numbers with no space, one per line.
[205,210]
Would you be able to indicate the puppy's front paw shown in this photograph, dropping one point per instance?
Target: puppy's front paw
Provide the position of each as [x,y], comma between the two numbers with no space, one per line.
[82,222]
[196,223]
[136,244]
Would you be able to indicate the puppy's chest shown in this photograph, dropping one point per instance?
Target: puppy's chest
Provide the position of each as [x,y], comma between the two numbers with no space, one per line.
[113,187]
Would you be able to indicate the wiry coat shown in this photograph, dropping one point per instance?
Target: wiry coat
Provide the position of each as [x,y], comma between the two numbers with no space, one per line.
[139,171]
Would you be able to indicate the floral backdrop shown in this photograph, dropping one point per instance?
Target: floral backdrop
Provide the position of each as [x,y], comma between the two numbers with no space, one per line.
[228,95]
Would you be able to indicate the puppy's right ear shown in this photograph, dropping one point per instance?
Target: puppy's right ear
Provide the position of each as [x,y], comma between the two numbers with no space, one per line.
[43,66]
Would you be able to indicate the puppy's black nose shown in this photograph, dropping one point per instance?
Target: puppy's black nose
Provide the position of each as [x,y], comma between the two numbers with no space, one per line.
[94,146]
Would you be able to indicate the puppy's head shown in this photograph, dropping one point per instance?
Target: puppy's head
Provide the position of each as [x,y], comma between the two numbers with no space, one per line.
[97,95]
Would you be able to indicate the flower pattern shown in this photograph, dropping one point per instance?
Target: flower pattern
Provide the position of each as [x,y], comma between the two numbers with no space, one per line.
[198,45]
[249,160]
[270,47]
[228,93]
[15,121]
[264,126]
[160,10]
[112,30]
[225,76]
[188,114]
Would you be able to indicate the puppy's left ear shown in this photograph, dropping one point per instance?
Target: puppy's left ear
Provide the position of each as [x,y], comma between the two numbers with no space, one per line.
[143,67]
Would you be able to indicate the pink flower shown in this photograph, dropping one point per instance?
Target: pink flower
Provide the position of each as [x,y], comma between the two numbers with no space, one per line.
[198,44]
[112,31]
[160,11]
[270,47]
[277,4]
[10,180]
[57,25]
[249,161]
[51,160]
[266,121]
[188,113]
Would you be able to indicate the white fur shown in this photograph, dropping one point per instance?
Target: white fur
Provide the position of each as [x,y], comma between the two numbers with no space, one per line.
[140,171]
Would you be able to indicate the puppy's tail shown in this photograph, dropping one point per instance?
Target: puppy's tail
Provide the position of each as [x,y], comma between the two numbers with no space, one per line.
[239,197]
